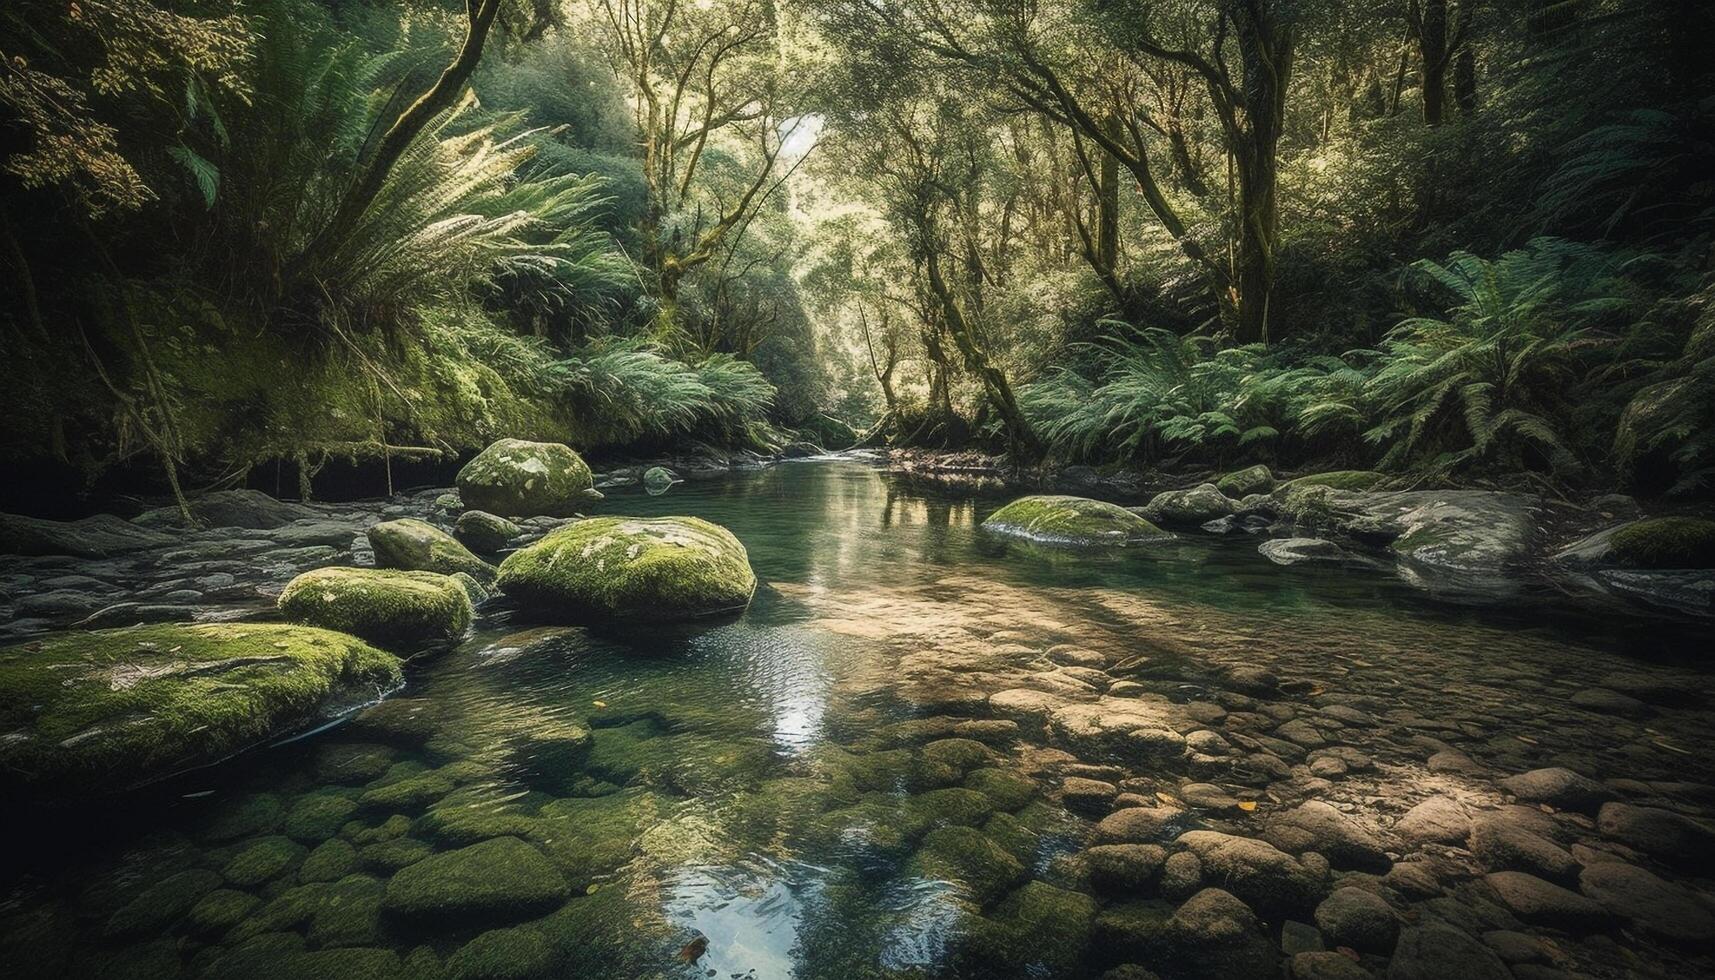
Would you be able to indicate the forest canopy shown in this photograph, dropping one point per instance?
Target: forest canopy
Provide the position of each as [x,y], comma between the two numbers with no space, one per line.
[1446,240]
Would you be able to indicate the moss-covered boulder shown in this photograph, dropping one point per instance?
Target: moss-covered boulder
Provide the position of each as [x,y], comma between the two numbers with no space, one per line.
[498,880]
[662,568]
[1665,542]
[419,546]
[1242,483]
[1194,505]
[384,606]
[481,531]
[100,711]
[1061,519]
[514,478]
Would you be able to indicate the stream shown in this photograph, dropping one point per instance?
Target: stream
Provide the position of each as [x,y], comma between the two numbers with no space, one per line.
[823,788]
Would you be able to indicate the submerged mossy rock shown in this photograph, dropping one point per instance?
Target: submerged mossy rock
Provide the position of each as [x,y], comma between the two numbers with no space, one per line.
[498,880]
[1072,520]
[1665,542]
[514,478]
[481,531]
[100,711]
[384,606]
[658,479]
[419,546]
[1194,505]
[663,568]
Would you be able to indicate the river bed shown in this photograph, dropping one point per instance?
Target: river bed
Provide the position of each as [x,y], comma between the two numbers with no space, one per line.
[829,786]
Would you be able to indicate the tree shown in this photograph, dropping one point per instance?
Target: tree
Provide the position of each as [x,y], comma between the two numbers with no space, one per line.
[1441,41]
[699,73]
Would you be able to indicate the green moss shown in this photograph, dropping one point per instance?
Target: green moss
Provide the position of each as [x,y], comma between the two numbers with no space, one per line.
[318,817]
[411,793]
[219,911]
[503,954]
[503,879]
[1666,542]
[330,861]
[1072,520]
[515,478]
[963,855]
[1006,788]
[589,838]
[419,546]
[390,856]
[1339,480]
[98,711]
[658,568]
[386,607]
[961,754]
[957,806]
[1038,930]
[266,859]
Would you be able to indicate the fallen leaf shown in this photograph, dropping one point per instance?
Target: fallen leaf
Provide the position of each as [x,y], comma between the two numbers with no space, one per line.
[592,889]
[694,950]
[599,704]
[1169,800]
[1247,806]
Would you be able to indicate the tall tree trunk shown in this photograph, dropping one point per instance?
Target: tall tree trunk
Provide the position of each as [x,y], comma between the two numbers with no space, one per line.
[1432,46]
[1267,45]
[1465,81]
[1021,439]
[1108,206]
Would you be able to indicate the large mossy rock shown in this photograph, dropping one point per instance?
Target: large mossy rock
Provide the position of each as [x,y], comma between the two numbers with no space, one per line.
[391,608]
[1338,480]
[514,478]
[1061,519]
[629,567]
[1194,505]
[419,546]
[88,713]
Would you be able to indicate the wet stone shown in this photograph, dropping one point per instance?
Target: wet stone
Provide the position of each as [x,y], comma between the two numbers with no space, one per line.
[1359,919]
[1091,796]
[1437,820]
[1510,840]
[1560,788]
[1662,834]
[1542,902]
[1440,952]
[1124,868]
[1317,826]
[1649,903]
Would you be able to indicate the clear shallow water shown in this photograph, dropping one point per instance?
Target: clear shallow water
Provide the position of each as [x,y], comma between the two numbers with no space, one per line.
[756,798]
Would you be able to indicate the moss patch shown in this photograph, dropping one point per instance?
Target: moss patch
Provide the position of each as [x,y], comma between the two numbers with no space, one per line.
[1072,520]
[1666,542]
[266,859]
[418,546]
[514,478]
[100,711]
[391,608]
[659,568]
[964,856]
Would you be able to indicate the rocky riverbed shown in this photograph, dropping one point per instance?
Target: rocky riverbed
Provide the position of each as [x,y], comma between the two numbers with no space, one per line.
[929,749]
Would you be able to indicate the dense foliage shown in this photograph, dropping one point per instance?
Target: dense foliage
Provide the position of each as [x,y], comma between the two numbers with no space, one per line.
[1454,240]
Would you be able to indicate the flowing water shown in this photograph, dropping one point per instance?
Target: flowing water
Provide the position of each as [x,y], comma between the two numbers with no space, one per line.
[817,789]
